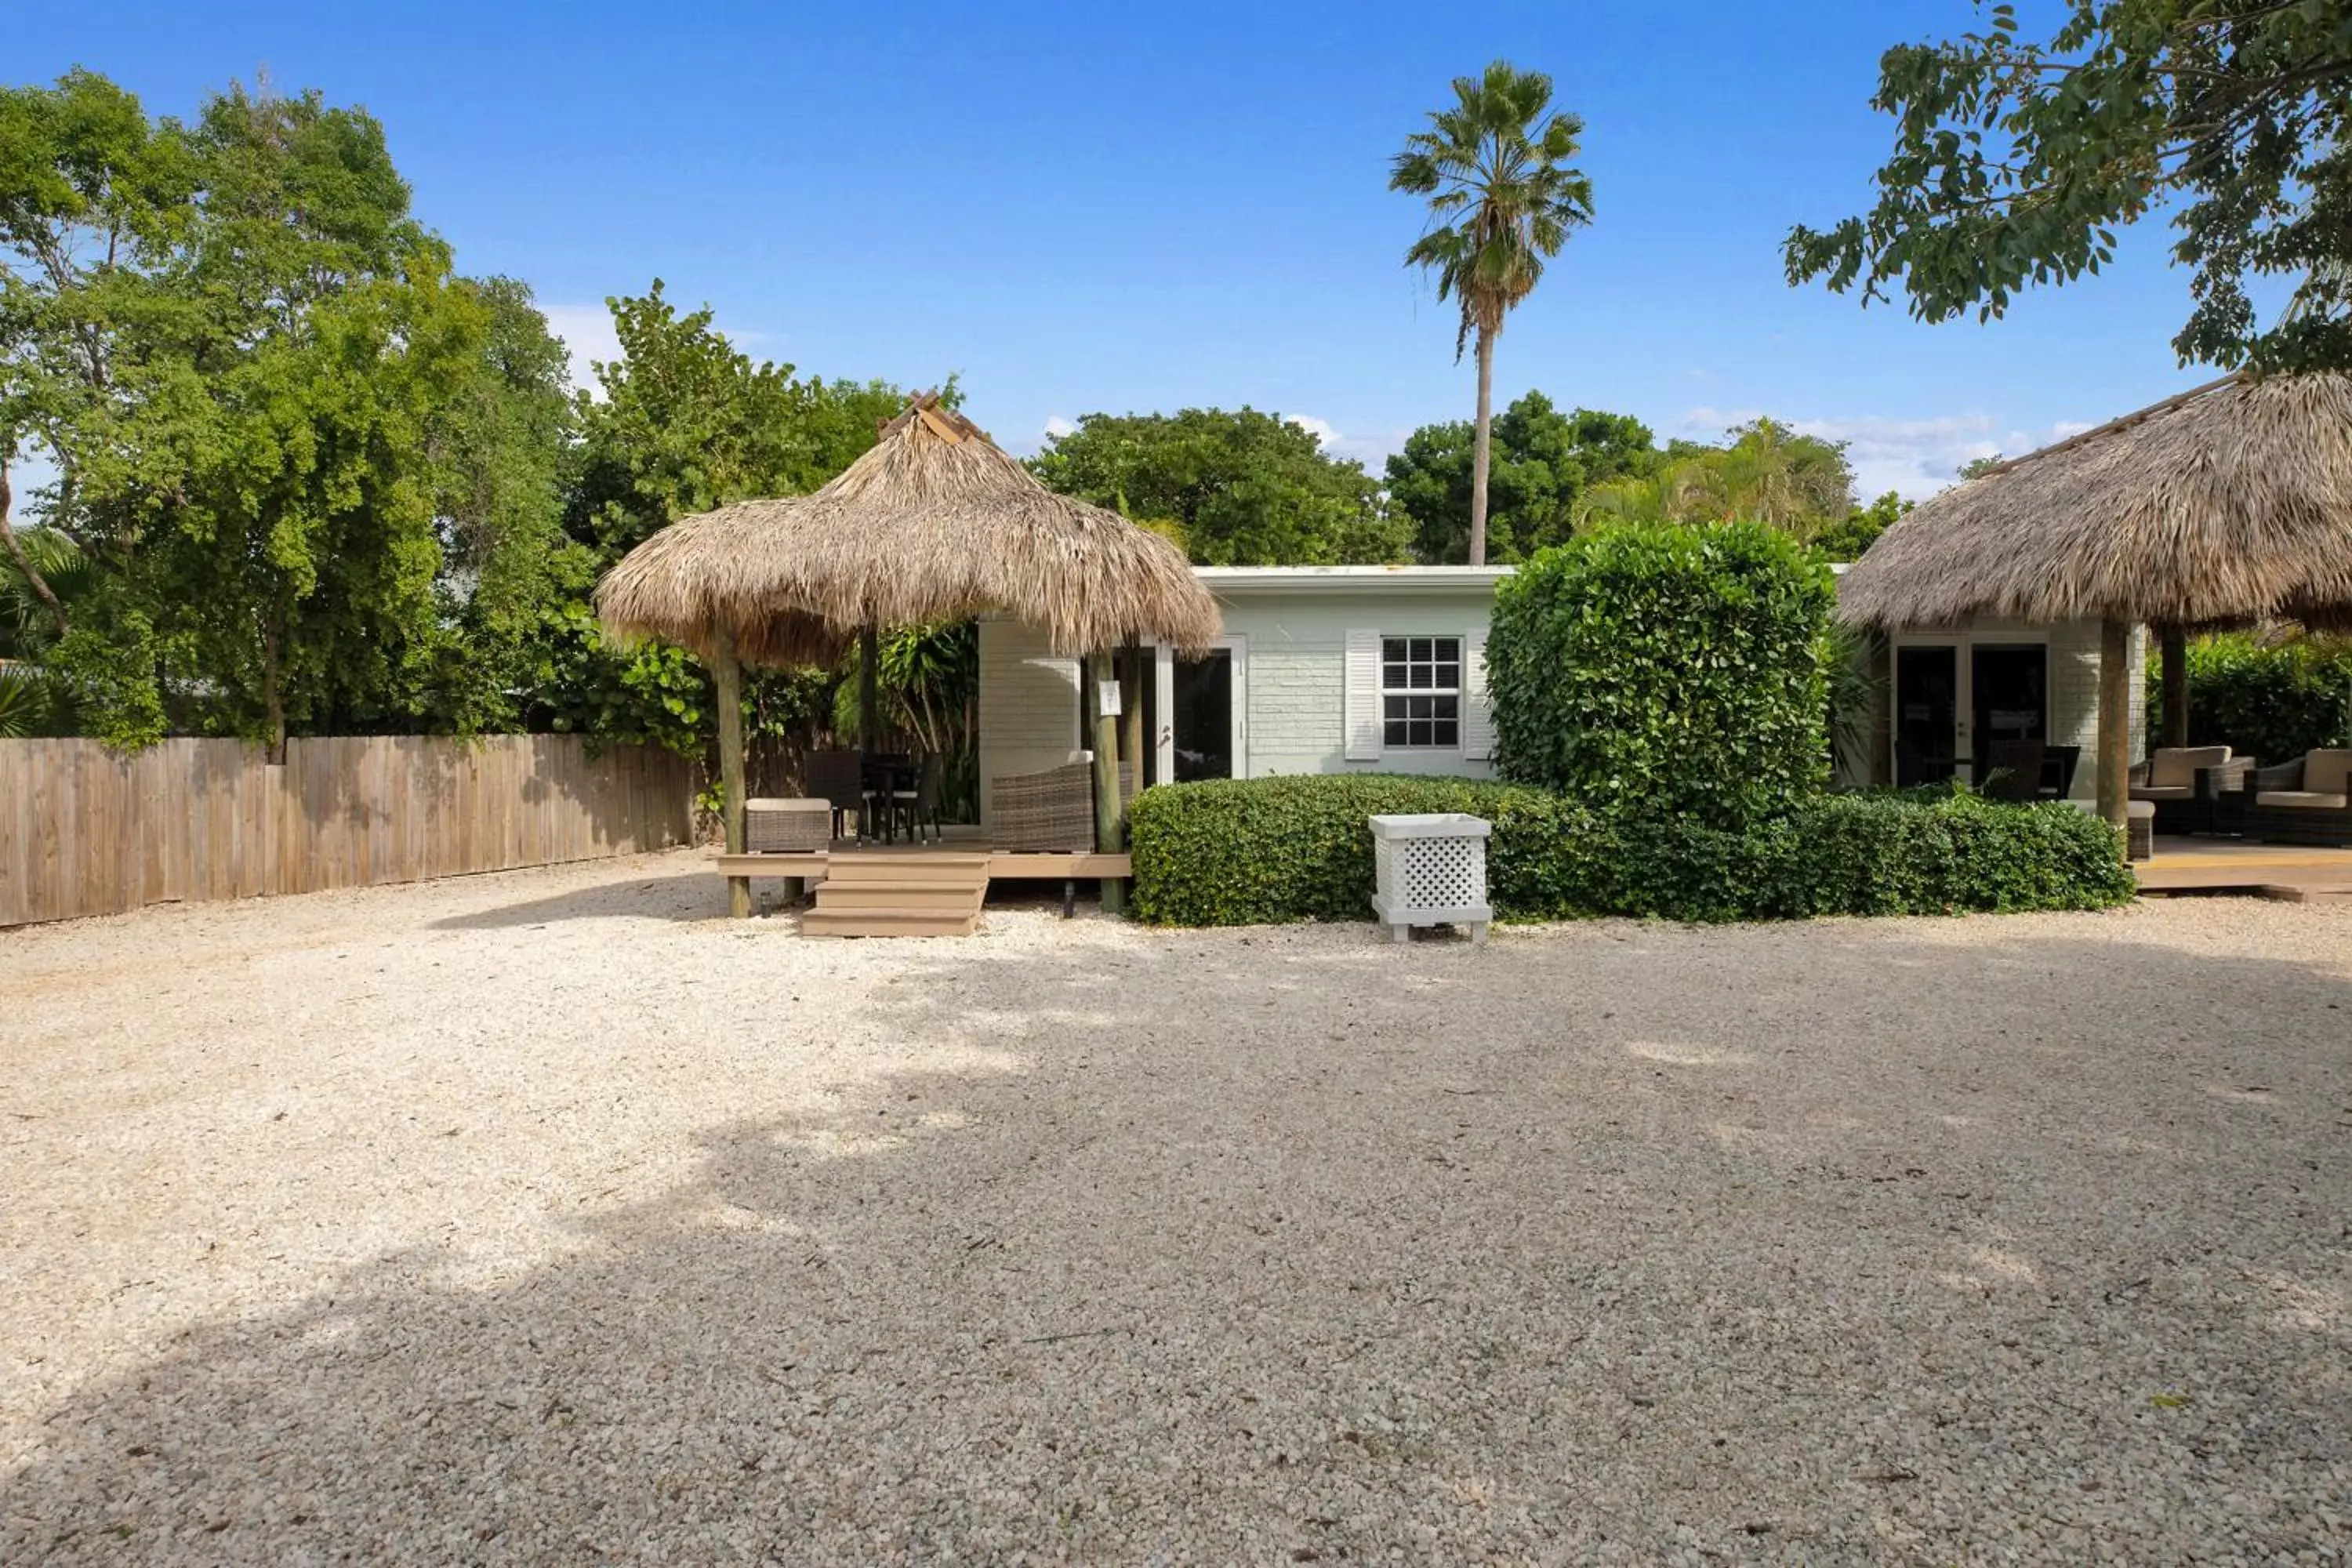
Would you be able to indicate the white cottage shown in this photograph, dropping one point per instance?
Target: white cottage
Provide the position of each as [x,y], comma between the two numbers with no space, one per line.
[1321,670]
[1327,670]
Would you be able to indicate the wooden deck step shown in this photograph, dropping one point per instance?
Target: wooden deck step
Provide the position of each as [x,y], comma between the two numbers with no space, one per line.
[900,893]
[890,922]
[954,897]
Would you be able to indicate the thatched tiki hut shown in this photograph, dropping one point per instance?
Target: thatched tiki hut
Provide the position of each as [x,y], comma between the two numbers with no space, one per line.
[2227,504]
[934,523]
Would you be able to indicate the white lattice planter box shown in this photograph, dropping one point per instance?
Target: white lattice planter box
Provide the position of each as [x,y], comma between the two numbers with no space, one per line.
[1428,870]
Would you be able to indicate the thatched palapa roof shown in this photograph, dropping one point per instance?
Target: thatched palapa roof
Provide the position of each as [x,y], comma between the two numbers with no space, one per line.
[934,523]
[2228,504]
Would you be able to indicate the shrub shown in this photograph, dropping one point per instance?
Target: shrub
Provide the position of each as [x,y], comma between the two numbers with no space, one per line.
[2275,702]
[1240,852]
[1664,671]
[1266,851]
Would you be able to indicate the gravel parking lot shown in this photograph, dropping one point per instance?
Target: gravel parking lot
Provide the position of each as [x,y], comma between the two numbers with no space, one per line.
[549,1216]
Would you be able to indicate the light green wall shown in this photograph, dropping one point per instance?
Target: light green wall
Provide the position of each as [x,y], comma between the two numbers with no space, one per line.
[1296,685]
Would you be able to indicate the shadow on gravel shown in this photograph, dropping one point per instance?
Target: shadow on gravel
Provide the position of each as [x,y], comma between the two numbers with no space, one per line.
[684,894]
[1872,1248]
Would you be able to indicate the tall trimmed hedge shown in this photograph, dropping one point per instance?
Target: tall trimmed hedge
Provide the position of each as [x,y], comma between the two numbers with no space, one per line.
[1266,851]
[1659,671]
[2275,702]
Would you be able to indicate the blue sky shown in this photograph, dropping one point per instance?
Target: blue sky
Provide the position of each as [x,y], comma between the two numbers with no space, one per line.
[1111,208]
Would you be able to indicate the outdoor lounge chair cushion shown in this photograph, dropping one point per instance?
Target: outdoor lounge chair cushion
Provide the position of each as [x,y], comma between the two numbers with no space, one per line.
[2327,773]
[2175,767]
[2163,791]
[2303,799]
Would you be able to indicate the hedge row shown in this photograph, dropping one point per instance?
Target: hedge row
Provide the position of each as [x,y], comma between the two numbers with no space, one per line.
[1267,851]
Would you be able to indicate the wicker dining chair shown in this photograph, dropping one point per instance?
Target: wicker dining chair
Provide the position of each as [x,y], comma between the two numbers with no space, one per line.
[838,778]
[921,803]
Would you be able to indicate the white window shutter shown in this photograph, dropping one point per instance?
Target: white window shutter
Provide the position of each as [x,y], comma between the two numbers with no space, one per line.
[1363,697]
[1478,715]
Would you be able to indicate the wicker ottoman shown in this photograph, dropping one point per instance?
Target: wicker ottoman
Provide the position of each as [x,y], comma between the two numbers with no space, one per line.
[776,826]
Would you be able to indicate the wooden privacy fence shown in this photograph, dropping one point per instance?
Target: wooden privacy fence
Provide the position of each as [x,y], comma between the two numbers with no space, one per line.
[85,832]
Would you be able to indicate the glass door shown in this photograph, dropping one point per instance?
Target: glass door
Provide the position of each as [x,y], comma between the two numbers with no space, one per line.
[2009,695]
[1927,712]
[1203,717]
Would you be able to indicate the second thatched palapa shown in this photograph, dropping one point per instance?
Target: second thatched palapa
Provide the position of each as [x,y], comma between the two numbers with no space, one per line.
[934,523]
[2227,504]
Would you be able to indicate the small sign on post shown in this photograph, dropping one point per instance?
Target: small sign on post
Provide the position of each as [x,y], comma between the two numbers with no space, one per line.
[1107,690]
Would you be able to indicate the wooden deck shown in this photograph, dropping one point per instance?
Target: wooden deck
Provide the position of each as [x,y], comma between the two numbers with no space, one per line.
[2295,873]
[934,889]
[1003,864]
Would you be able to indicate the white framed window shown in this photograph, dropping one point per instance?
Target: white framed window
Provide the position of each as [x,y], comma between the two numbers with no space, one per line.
[1421,693]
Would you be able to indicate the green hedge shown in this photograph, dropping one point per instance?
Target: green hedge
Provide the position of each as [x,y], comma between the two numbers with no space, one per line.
[1663,670]
[1267,851]
[2275,702]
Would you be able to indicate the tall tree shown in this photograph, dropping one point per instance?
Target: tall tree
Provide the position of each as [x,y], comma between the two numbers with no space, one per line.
[686,423]
[319,336]
[2015,161]
[497,444]
[1502,198]
[92,199]
[1544,460]
[1234,486]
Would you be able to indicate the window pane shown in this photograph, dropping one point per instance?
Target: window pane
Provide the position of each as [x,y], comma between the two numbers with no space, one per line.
[1394,732]
[1449,677]
[1445,733]
[1420,650]
[1392,676]
[1392,649]
[1393,707]
[1449,649]
[1445,707]
[1416,707]
[1420,676]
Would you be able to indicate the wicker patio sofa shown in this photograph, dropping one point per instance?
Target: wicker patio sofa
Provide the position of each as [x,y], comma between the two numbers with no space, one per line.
[2306,801]
[2186,785]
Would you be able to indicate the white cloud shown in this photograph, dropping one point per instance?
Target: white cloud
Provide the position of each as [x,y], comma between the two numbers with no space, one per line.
[1056,424]
[1915,458]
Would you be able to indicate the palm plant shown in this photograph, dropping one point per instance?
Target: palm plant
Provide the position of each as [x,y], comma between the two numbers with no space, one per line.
[1503,197]
[45,568]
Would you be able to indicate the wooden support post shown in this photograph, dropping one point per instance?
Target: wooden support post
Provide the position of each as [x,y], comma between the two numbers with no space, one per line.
[727,676]
[2175,687]
[1103,728]
[2115,720]
[869,696]
[1130,717]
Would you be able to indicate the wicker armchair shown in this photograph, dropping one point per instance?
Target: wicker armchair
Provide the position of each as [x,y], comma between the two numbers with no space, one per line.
[2186,785]
[2306,801]
[1045,812]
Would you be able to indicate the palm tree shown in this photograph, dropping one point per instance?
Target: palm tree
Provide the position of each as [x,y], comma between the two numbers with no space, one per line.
[1502,198]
